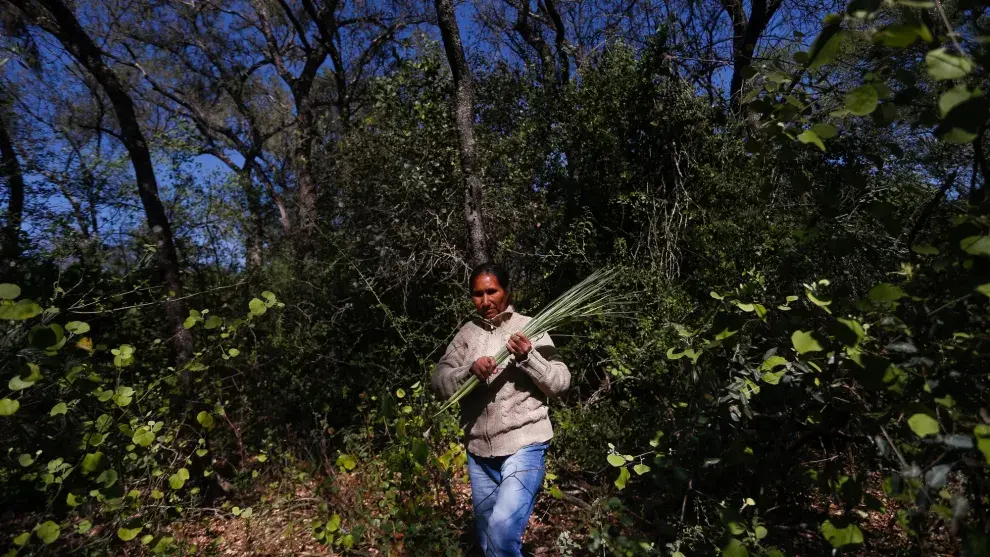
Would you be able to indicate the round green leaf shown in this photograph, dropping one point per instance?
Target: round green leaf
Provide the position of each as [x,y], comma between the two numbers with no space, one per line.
[886,292]
[25,460]
[346,461]
[616,460]
[23,309]
[176,481]
[92,462]
[72,500]
[144,437]
[9,291]
[942,65]
[760,532]
[825,131]
[59,408]
[77,327]
[205,419]
[641,469]
[840,537]
[805,342]
[923,425]
[257,307]
[128,534]
[47,531]
[734,548]
[22,539]
[8,406]
[212,322]
[862,100]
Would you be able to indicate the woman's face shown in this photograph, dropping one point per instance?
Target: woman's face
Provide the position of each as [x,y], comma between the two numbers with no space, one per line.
[490,299]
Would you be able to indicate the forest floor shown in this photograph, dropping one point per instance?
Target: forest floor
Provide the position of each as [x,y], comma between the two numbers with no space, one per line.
[280,525]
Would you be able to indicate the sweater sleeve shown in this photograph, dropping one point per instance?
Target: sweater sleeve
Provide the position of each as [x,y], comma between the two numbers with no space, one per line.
[545,368]
[451,371]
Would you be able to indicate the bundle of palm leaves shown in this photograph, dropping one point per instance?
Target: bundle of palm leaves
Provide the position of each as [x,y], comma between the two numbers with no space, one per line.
[592,297]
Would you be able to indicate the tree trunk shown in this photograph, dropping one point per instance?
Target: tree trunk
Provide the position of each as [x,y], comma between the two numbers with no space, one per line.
[10,168]
[254,228]
[464,122]
[61,22]
[746,33]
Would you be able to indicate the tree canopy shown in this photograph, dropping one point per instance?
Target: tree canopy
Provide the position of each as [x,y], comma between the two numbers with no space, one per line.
[236,237]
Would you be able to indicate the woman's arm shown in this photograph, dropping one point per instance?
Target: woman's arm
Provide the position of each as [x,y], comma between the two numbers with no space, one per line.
[546,369]
[451,371]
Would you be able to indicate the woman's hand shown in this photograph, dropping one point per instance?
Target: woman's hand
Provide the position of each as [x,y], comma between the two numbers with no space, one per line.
[483,368]
[519,346]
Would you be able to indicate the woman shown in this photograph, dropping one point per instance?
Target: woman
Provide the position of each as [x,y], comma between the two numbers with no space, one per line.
[505,417]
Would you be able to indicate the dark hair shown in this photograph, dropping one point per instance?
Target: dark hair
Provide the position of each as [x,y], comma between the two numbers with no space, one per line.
[493,269]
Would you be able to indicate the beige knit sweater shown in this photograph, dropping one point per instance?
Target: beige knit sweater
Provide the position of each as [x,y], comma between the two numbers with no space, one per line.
[510,411]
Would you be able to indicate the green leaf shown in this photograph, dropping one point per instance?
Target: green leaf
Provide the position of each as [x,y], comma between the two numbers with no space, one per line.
[620,482]
[773,377]
[982,433]
[886,292]
[333,525]
[128,534]
[257,307]
[804,342]
[616,460]
[976,245]
[841,537]
[25,460]
[825,131]
[925,249]
[952,98]
[820,56]
[809,136]
[144,437]
[856,328]
[862,100]
[47,531]
[9,291]
[900,35]
[205,419]
[17,384]
[77,327]
[123,396]
[23,309]
[8,406]
[735,548]
[59,408]
[108,477]
[73,501]
[772,362]
[942,65]
[177,480]
[923,425]
[212,322]
[760,532]
[347,462]
[22,539]
[984,289]
[641,469]
[162,545]
[84,527]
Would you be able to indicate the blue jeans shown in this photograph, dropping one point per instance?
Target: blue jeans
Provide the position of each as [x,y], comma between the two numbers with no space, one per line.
[503,490]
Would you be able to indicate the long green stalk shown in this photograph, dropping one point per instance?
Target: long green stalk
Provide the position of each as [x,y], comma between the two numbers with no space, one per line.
[589,298]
